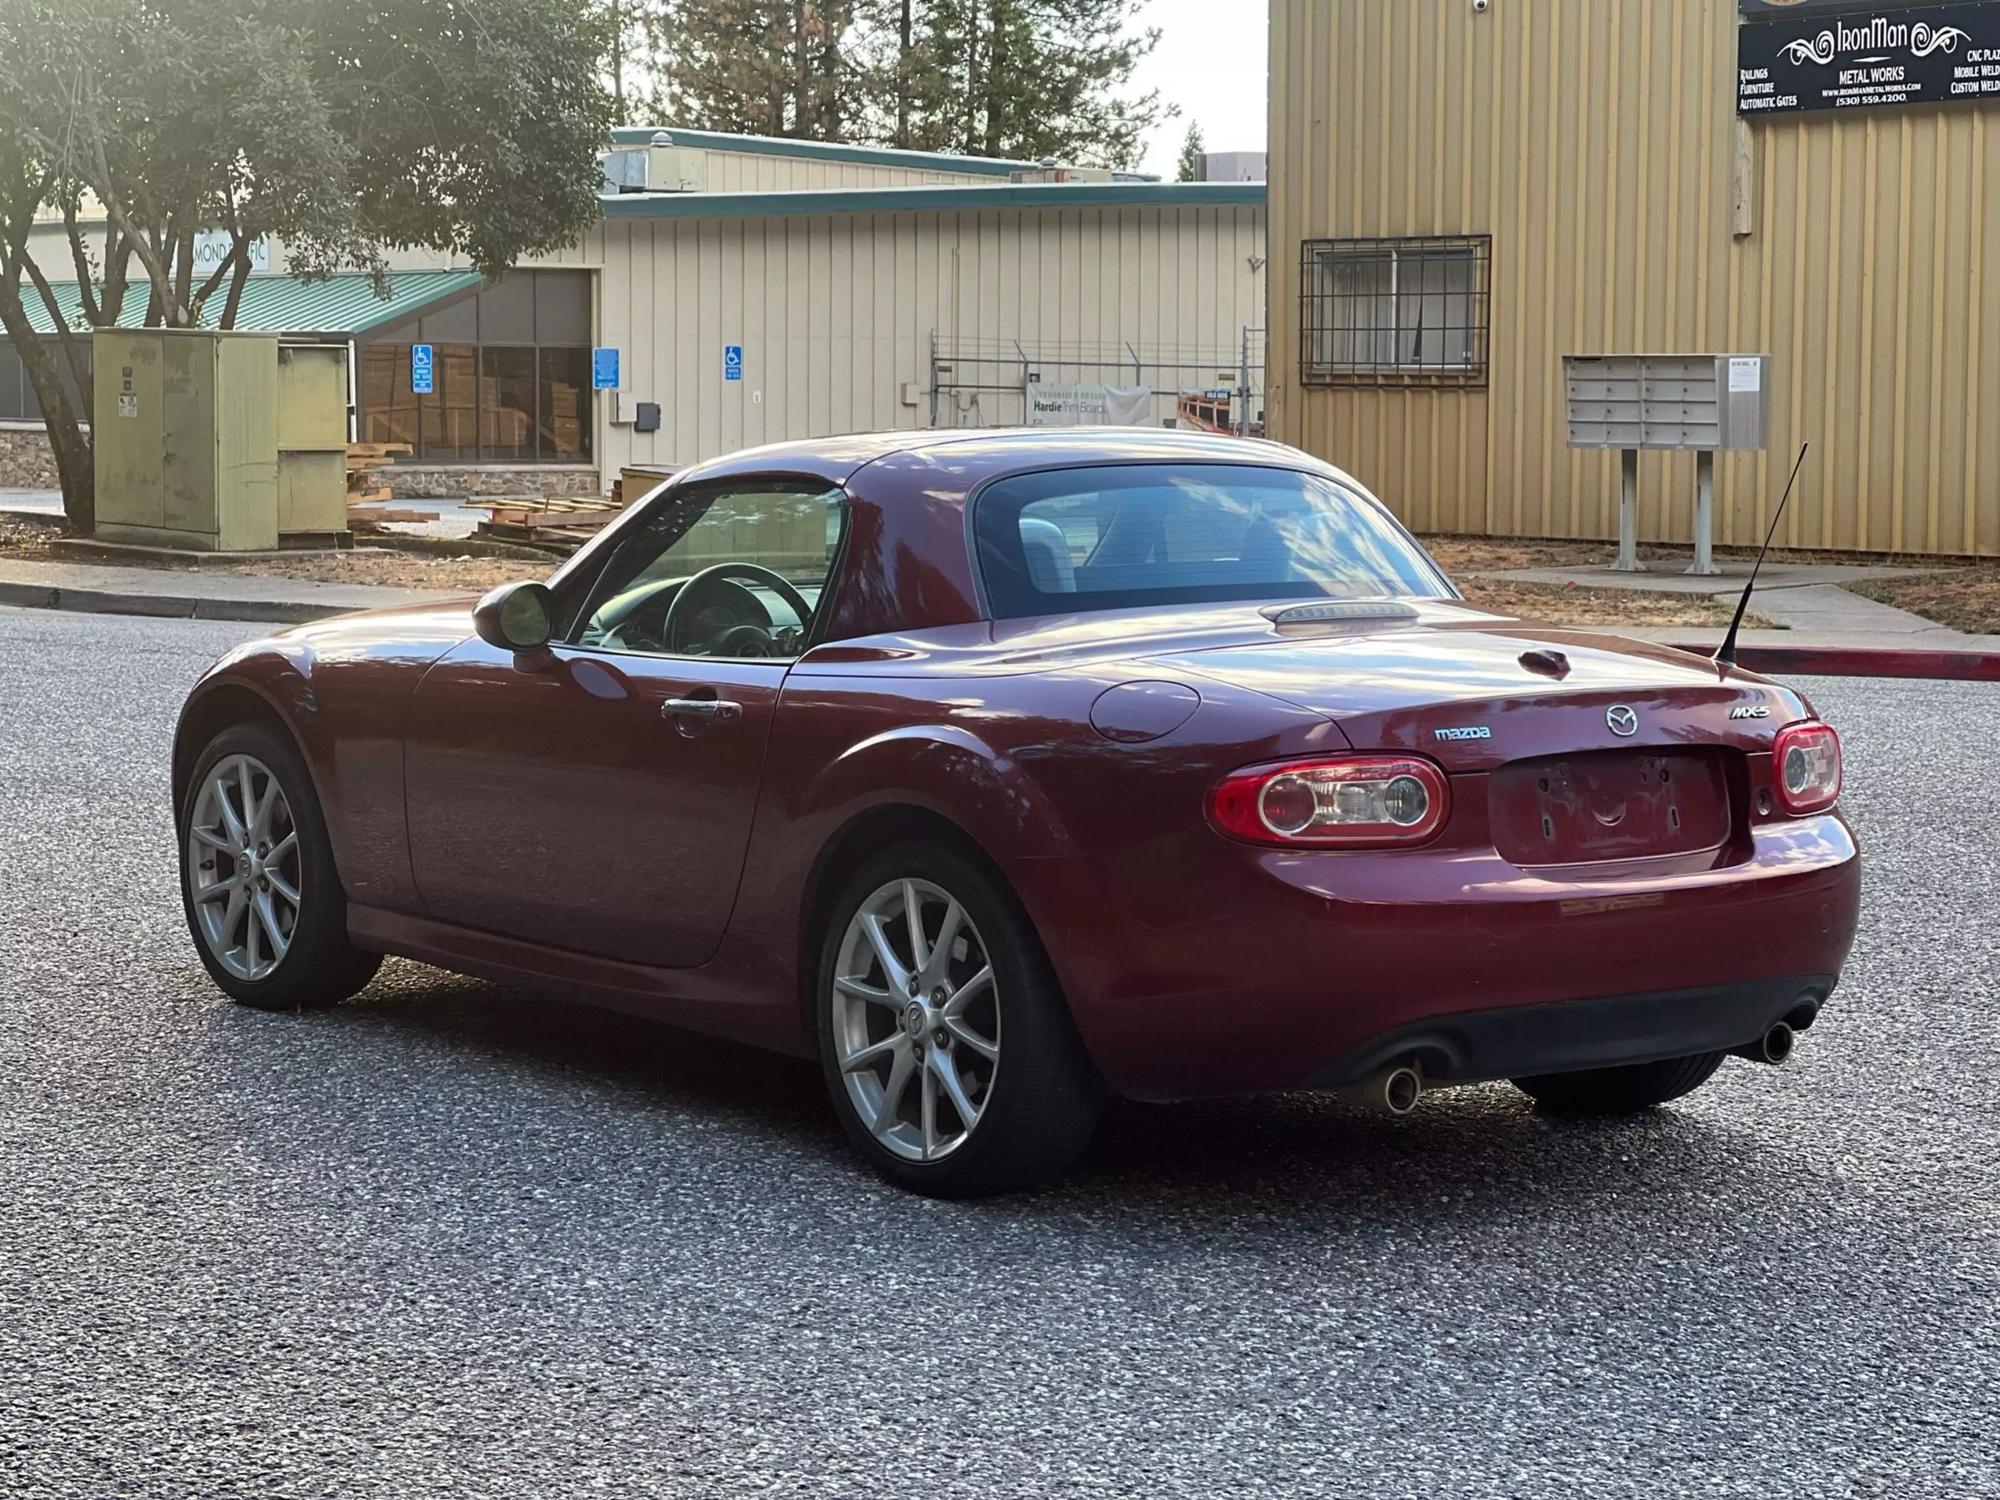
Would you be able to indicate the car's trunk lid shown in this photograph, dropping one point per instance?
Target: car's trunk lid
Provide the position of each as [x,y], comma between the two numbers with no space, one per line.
[1474,699]
[1587,748]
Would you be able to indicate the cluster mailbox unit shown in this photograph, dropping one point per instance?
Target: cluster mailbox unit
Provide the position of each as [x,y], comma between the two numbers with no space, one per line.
[1700,403]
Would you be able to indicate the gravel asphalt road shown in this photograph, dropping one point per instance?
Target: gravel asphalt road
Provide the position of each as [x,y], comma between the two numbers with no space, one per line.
[453,1240]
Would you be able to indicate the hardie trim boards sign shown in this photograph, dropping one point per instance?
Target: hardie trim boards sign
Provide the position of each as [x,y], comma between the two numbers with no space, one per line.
[1080,403]
[1940,54]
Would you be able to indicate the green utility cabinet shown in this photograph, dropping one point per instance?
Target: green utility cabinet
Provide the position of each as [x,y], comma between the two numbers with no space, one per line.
[312,444]
[186,436]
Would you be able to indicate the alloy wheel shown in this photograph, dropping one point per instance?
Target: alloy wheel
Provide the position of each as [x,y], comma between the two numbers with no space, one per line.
[244,869]
[916,1019]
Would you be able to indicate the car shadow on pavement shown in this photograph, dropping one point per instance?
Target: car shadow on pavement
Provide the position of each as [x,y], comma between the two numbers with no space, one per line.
[1463,1152]
[605,1048]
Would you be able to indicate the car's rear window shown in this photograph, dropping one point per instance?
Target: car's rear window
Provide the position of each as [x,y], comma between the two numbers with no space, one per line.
[1132,535]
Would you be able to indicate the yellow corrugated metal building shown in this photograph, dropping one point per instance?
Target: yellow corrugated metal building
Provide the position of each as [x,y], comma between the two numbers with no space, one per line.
[1538,178]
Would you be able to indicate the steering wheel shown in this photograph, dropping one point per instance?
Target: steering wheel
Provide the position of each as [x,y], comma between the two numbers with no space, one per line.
[754,572]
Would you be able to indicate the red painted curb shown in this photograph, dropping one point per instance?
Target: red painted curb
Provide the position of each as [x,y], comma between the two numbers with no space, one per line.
[1861,661]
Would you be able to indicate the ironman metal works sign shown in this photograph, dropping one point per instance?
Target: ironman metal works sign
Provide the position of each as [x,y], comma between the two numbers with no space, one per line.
[1866,59]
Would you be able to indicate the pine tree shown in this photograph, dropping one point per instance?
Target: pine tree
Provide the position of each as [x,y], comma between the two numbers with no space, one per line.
[1194,150]
[1019,78]
[757,67]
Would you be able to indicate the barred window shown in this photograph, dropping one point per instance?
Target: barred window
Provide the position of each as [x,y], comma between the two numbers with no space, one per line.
[1404,312]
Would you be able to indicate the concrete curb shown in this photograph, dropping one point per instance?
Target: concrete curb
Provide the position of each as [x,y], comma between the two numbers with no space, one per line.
[162,606]
[1860,661]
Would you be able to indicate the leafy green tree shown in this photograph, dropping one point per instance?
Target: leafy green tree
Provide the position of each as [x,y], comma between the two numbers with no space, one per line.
[1193,151]
[344,127]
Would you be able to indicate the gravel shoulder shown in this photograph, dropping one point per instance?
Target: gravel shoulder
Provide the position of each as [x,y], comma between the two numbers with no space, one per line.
[455,1240]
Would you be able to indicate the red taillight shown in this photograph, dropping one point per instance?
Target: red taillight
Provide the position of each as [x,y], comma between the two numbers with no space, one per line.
[1355,801]
[1805,764]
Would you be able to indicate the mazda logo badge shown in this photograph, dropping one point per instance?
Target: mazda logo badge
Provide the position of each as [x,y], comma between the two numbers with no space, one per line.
[1624,721]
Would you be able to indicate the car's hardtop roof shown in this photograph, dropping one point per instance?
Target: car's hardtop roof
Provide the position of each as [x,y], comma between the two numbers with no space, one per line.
[974,455]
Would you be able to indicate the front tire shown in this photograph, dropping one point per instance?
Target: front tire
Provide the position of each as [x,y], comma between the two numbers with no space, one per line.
[1620,1091]
[258,884]
[947,1045]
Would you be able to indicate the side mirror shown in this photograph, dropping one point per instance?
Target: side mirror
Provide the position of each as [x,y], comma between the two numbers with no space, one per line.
[516,617]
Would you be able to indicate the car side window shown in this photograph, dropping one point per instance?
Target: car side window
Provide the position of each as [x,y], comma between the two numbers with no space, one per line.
[733,571]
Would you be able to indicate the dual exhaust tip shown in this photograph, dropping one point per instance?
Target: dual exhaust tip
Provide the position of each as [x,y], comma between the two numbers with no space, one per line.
[1396,1090]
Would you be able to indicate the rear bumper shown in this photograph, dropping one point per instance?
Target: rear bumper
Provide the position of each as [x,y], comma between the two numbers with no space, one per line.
[1521,1041]
[1197,967]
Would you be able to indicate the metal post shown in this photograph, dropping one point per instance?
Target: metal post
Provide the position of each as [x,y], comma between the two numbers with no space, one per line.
[1628,512]
[1704,514]
[1243,388]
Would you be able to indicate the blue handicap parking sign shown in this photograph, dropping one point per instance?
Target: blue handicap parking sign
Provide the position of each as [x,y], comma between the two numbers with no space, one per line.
[423,379]
[732,361]
[604,369]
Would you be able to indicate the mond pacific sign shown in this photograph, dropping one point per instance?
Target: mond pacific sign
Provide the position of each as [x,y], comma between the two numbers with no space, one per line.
[1869,59]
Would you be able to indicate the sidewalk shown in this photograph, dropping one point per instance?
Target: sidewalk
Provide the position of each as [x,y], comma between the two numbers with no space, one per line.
[1832,632]
[1827,629]
[1806,597]
[448,517]
[189,595]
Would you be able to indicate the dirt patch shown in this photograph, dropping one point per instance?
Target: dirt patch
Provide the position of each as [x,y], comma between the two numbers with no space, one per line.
[1607,608]
[24,538]
[1459,555]
[1965,599]
[438,569]
[396,570]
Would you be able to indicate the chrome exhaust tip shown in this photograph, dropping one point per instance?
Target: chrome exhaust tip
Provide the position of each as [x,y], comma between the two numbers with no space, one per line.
[1393,1091]
[1773,1048]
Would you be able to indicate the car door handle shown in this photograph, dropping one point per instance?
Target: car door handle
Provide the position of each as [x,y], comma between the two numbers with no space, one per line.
[719,710]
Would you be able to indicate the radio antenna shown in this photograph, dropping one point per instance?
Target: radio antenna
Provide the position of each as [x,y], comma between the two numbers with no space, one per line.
[1725,656]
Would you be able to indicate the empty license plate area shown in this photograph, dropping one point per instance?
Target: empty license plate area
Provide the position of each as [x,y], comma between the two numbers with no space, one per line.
[1609,804]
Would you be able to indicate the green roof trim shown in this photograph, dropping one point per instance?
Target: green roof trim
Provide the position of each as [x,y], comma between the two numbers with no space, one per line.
[346,304]
[769,145]
[934,199]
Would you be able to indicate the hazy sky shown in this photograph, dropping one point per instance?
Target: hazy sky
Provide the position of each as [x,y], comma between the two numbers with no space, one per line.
[1211,62]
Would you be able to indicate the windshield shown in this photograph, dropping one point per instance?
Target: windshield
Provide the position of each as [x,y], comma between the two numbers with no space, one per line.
[1133,535]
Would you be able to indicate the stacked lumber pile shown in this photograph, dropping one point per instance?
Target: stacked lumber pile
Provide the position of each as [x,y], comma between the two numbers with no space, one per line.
[556,524]
[366,491]
[561,524]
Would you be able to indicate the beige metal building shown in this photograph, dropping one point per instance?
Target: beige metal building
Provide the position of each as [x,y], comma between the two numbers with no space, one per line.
[925,307]
[756,290]
[1462,195]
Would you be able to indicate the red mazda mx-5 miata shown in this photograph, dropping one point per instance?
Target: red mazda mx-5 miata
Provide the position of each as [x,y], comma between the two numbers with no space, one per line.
[1005,771]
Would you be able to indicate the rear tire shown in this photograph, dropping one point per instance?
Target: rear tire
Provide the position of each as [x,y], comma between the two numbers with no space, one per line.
[1618,1091]
[263,900]
[910,1046]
